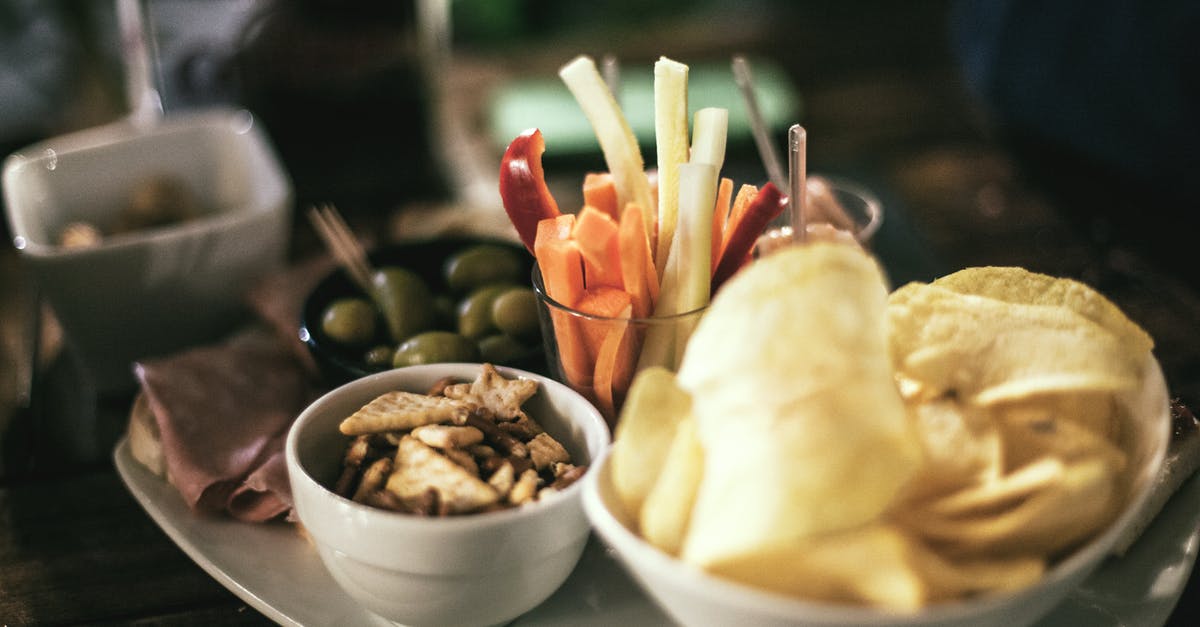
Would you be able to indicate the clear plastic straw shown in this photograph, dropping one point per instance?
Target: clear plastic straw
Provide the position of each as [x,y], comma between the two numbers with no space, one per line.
[797,179]
[610,68]
[141,89]
[762,138]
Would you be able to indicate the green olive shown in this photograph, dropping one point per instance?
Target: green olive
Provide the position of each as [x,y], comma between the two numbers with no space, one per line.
[378,357]
[404,300]
[475,312]
[482,264]
[515,312]
[501,349]
[445,312]
[349,321]
[433,347]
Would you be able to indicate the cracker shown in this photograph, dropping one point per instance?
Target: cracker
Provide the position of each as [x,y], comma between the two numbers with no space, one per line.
[490,390]
[419,468]
[397,411]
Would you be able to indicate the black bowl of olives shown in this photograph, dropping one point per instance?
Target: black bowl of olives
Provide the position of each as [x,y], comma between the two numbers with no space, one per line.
[432,301]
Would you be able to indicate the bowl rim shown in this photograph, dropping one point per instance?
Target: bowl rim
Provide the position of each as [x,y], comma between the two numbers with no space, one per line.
[235,121]
[1081,561]
[592,424]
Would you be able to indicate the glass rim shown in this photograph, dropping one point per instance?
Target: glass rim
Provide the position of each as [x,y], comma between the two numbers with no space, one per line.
[872,202]
[542,296]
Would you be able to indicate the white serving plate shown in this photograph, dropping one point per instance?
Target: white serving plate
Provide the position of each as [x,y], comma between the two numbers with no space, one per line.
[275,570]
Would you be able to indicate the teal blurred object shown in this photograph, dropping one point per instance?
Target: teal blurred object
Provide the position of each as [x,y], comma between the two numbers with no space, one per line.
[545,103]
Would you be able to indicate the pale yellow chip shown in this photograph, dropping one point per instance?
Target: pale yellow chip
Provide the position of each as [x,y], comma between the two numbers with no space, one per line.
[654,406]
[873,564]
[793,394]
[1021,286]
[664,516]
[983,350]
[398,410]
[418,468]
[962,446]
[1042,427]
[1053,517]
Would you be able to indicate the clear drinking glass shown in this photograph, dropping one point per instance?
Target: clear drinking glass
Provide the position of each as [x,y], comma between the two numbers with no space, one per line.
[838,210]
[598,356]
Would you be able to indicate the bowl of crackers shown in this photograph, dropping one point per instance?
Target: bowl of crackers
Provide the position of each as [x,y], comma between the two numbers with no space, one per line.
[959,452]
[446,493]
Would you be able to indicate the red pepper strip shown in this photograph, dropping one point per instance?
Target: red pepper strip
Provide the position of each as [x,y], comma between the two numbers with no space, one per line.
[523,187]
[767,205]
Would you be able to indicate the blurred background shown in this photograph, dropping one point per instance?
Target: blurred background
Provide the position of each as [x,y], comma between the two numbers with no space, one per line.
[1061,136]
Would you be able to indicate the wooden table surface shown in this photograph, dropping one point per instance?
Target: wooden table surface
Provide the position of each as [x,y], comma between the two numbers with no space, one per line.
[889,109]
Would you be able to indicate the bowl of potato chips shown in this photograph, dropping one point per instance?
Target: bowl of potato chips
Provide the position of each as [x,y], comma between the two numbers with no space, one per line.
[446,494]
[834,452]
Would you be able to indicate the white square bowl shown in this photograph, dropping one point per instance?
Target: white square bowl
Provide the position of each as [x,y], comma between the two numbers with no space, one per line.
[156,290]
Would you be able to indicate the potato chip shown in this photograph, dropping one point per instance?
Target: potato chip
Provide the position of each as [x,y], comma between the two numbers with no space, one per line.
[962,446]
[653,408]
[1020,286]
[664,516]
[985,351]
[795,404]
[1061,509]
[872,564]
[1040,427]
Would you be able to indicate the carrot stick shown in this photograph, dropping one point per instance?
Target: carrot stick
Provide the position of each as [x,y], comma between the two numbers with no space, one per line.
[745,194]
[742,234]
[605,302]
[614,365]
[596,234]
[561,266]
[720,215]
[600,191]
[637,265]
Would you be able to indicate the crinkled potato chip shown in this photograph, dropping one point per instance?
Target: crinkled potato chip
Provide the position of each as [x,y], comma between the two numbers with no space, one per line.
[879,565]
[1018,285]
[653,408]
[962,446]
[1063,508]
[664,517]
[792,390]
[1039,427]
[984,350]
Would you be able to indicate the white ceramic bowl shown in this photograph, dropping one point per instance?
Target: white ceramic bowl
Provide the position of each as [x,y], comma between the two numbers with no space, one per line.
[481,569]
[693,597]
[152,291]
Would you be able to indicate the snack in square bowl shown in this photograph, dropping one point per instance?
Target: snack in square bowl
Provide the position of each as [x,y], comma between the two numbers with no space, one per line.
[454,299]
[473,542]
[959,453]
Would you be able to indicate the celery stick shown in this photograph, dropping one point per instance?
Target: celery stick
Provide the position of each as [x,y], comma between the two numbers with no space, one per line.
[709,134]
[671,139]
[697,196]
[687,272]
[620,147]
[693,238]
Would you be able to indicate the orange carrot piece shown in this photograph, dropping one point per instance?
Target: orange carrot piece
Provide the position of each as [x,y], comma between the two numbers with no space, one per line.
[745,194]
[558,227]
[605,302]
[600,191]
[614,366]
[596,234]
[637,265]
[720,215]
[561,265]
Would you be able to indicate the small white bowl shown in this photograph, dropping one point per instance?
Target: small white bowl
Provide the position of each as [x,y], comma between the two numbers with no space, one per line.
[156,290]
[481,569]
[694,597]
